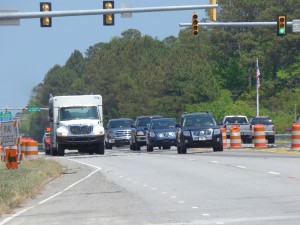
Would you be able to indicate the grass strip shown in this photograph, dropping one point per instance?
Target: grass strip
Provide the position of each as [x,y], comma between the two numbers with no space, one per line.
[17,185]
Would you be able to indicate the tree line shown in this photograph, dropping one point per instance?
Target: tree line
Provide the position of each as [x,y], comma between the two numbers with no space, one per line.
[214,71]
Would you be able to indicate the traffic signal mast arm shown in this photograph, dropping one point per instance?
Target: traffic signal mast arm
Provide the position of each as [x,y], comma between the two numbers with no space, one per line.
[31,15]
[236,24]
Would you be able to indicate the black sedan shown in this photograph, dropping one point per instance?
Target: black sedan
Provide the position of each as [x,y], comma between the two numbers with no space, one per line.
[161,133]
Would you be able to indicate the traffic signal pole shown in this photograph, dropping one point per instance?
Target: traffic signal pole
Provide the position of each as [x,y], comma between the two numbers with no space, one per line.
[30,15]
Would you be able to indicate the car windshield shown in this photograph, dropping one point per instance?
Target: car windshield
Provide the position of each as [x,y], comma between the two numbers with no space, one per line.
[162,124]
[145,121]
[235,119]
[198,120]
[264,121]
[120,123]
[80,112]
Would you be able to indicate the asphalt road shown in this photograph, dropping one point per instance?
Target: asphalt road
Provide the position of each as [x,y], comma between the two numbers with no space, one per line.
[202,187]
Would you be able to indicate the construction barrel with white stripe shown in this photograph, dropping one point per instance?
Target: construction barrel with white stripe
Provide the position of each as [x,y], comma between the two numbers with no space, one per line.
[295,137]
[31,149]
[235,137]
[224,138]
[259,136]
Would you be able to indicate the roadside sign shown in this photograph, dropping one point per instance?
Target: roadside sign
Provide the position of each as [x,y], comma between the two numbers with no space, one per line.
[8,133]
[5,116]
[33,109]
[296,25]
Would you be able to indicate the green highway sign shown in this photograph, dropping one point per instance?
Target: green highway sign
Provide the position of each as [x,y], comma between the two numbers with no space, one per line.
[33,109]
[5,116]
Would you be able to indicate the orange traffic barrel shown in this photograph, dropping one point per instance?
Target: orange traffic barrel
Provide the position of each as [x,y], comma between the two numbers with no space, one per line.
[1,153]
[295,137]
[31,149]
[224,138]
[259,136]
[235,137]
[23,146]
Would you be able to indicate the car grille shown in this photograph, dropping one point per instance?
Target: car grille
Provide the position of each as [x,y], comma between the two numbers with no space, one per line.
[80,129]
[201,132]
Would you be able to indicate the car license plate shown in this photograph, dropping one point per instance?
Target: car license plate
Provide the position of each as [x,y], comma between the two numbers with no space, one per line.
[202,138]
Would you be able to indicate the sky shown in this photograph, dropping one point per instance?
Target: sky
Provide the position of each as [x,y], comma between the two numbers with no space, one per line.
[28,51]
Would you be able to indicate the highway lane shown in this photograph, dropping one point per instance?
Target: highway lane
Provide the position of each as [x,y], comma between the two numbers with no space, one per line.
[201,187]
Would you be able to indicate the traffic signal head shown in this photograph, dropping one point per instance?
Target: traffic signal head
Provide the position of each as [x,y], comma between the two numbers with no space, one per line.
[45,7]
[108,19]
[213,11]
[281,25]
[195,24]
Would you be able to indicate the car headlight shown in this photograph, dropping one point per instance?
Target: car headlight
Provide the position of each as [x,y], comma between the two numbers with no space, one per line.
[186,133]
[217,131]
[140,133]
[152,134]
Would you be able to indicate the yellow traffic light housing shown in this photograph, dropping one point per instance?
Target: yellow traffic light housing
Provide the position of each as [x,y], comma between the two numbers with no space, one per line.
[281,25]
[108,19]
[45,7]
[213,11]
[195,29]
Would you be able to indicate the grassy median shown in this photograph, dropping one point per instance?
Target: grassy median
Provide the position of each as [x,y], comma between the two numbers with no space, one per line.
[17,185]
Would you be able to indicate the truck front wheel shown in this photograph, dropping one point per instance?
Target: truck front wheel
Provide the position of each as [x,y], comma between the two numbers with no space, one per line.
[60,149]
[99,148]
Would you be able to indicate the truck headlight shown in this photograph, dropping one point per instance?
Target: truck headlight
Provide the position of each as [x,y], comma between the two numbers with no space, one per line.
[98,131]
[186,133]
[62,131]
[141,133]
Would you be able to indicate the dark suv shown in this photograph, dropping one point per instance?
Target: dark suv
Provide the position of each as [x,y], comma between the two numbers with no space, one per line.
[138,132]
[269,127]
[198,130]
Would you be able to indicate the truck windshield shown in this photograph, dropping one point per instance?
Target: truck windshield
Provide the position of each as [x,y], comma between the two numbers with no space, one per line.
[78,112]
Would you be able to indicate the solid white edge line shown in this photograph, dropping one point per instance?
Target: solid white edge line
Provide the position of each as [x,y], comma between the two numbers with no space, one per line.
[67,188]
[53,196]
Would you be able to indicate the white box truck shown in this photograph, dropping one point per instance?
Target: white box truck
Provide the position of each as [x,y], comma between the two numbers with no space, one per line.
[76,122]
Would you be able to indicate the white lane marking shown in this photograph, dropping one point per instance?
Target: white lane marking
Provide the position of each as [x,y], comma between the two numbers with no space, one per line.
[145,185]
[181,202]
[120,176]
[15,215]
[53,196]
[205,214]
[128,179]
[214,161]
[241,167]
[173,196]
[69,187]
[154,188]
[164,192]
[275,173]
[195,207]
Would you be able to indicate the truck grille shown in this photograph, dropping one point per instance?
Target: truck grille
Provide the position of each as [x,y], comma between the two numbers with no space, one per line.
[122,133]
[80,129]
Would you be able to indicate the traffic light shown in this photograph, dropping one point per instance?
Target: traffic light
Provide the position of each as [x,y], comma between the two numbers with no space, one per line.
[108,19]
[281,25]
[195,24]
[213,11]
[45,7]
